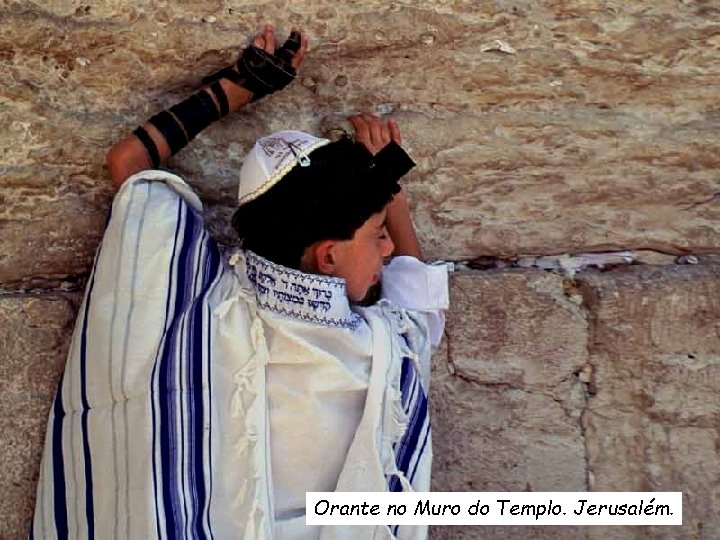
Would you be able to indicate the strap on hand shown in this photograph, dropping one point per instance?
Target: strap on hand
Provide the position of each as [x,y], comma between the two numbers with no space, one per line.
[260,72]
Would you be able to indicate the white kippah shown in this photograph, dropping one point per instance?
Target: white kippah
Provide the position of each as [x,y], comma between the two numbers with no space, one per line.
[271,158]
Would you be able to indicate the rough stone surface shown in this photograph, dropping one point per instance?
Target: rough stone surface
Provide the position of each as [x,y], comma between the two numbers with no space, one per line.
[34,338]
[506,396]
[653,421]
[597,133]
[607,382]
[596,129]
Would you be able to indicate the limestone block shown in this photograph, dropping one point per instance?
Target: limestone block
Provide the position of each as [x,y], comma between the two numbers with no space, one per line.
[505,394]
[47,234]
[594,131]
[652,423]
[506,533]
[34,338]
[517,328]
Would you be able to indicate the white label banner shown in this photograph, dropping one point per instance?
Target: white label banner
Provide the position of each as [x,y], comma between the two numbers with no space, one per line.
[494,508]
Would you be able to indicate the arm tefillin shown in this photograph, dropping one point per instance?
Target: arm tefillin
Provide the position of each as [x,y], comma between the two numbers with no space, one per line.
[185,120]
[171,129]
[258,71]
[193,113]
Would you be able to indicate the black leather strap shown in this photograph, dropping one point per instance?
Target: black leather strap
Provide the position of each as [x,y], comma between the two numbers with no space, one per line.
[229,73]
[221,97]
[150,146]
[192,115]
[394,159]
[209,104]
[170,129]
[260,72]
[289,48]
[263,72]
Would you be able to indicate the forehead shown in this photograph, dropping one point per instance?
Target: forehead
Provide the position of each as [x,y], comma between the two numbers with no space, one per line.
[377,220]
[373,223]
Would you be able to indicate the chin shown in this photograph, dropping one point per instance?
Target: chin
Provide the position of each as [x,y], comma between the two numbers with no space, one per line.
[371,296]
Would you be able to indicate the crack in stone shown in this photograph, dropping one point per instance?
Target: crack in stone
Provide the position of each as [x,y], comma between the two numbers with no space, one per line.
[589,301]
[39,286]
[485,263]
[714,198]
[72,282]
[490,384]
[63,22]
[469,378]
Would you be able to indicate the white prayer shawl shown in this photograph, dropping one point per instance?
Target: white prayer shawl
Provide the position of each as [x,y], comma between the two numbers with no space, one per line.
[188,379]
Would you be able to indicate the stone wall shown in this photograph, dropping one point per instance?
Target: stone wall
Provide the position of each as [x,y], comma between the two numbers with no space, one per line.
[540,128]
[604,382]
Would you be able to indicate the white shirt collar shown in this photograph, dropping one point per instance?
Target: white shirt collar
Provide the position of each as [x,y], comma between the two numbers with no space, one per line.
[308,297]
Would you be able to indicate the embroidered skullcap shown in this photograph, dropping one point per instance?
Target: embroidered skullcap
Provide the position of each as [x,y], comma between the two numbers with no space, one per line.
[271,158]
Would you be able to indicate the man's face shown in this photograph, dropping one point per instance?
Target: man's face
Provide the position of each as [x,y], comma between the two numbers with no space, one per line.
[359,261]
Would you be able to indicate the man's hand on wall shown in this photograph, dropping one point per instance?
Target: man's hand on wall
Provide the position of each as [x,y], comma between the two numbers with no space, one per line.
[373,133]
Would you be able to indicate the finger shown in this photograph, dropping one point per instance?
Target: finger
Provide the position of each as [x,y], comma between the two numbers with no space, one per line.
[287,51]
[290,49]
[259,40]
[375,127]
[300,55]
[292,44]
[362,134]
[269,34]
[385,133]
[395,134]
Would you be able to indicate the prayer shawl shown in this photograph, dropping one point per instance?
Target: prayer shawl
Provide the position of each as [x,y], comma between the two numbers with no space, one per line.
[189,379]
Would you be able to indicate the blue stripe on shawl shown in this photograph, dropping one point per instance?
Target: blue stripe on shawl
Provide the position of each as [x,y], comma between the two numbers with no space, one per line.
[206,508]
[155,412]
[190,350]
[185,451]
[414,402]
[59,498]
[89,507]
[195,383]
[410,440]
[394,484]
[214,269]
[422,450]
[177,396]
[168,411]
[405,380]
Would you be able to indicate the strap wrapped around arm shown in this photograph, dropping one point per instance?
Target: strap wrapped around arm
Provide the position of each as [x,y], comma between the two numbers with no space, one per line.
[150,146]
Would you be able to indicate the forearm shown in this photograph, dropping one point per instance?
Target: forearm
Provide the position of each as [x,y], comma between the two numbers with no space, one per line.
[400,227]
[261,70]
[130,156]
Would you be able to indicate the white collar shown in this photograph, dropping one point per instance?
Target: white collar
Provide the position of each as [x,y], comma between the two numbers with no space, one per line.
[309,297]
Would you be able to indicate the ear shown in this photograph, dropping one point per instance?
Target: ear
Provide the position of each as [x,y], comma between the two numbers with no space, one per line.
[325,257]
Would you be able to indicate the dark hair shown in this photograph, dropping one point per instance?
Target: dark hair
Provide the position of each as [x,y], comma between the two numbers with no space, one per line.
[328,200]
